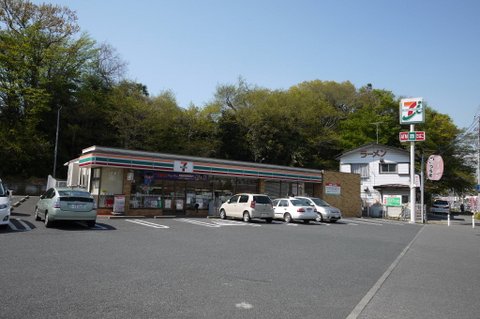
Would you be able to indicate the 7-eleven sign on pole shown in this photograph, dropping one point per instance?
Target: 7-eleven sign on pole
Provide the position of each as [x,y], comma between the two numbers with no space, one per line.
[412,112]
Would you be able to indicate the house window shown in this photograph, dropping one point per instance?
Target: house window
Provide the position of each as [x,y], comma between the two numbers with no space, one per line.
[362,169]
[388,168]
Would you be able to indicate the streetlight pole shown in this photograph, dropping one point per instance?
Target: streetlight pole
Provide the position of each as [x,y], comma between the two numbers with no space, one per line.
[56,143]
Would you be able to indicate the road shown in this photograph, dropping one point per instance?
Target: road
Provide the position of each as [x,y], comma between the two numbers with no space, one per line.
[208,268]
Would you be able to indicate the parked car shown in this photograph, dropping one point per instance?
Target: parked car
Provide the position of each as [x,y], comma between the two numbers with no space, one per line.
[325,212]
[290,209]
[66,203]
[440,207]
[247,207]
[5,205]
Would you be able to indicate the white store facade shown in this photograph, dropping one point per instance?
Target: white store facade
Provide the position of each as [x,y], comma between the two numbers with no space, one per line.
[385,177]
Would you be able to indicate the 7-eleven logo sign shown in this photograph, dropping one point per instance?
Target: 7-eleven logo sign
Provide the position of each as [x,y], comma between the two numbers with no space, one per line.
[412,111]
[183,166]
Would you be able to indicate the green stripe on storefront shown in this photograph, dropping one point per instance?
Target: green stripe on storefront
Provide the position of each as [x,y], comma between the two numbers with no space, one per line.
[95,159]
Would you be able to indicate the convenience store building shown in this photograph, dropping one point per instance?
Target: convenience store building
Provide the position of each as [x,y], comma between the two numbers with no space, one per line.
[138,183]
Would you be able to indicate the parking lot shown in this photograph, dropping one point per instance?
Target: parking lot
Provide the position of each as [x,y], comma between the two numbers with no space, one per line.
[195,267]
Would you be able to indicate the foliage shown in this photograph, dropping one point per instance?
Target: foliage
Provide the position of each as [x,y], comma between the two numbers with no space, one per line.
[47,65]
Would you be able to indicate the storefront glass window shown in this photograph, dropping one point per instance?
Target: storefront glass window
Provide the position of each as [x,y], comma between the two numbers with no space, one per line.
[180,192]
[246,185]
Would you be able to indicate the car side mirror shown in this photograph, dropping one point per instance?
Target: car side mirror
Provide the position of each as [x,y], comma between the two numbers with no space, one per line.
[42,196]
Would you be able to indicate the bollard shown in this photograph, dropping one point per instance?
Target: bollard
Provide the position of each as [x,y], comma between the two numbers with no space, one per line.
[448,219]
[473,220]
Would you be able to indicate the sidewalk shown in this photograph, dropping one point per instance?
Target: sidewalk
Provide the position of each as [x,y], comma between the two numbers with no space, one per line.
[436,278]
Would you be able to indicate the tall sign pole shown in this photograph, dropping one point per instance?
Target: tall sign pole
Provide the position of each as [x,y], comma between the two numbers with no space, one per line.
[412,112]
[412,178]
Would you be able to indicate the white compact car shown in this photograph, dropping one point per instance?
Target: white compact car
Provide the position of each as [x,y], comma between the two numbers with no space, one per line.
[247,207]
[324,210]
[290,209]
[440,207]
[5,206]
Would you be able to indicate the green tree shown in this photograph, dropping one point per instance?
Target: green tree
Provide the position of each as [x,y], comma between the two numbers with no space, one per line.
[457,149]
[44,62]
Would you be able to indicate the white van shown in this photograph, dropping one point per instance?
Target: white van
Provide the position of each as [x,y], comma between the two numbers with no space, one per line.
[247,207]
[5,206]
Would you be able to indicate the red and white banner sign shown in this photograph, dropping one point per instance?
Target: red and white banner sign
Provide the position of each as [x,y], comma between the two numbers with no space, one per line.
[434,167]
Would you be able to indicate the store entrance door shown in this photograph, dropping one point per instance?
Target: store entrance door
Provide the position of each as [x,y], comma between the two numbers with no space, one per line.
[174,198]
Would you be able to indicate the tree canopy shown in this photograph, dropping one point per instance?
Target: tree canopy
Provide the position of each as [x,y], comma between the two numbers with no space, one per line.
[47,65]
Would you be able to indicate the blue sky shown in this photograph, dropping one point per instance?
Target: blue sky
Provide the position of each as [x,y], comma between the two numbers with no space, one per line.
[414,48]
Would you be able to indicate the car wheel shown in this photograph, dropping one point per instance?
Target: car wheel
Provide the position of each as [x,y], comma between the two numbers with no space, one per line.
[246,217]
[223,215]
[287,218]
[333,221]
[269,220]
[48,221]
[37,217]
[319,217]
[91,223]
[306,221]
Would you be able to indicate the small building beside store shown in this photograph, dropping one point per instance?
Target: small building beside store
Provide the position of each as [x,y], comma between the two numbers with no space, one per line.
[385,177]
[139,183]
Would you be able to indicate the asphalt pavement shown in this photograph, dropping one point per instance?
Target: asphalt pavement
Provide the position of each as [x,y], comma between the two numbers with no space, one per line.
[437,277]
[200,268]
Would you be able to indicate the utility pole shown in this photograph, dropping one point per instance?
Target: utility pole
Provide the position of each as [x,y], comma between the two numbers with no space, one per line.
[56,143]
[377,124]
[478,175]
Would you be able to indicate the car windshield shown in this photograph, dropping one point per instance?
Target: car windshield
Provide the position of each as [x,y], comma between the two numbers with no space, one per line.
[73,193]
[320,202]
[441,202]
[3,190]
[262,200]
[297,202]
[305,202]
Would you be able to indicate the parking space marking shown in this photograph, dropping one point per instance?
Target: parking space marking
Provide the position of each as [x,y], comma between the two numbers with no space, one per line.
[215,223]
[357,221]
[12,226]
[24,225]
[197,222]
[97,226]
[145,223]
[229,222]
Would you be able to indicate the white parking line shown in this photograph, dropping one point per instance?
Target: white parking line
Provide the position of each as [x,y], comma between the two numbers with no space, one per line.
[228,222]
[358,221]
[215,223]
[12,226]
[25,225]
[97,226]
[197,222]
[145,223]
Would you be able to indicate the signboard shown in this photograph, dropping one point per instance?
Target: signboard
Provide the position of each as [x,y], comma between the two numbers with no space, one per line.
[392,200]
[434,167]
[119,204]
[332,189]
[412,111]
[417,180]
[414,136]
[183,166]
